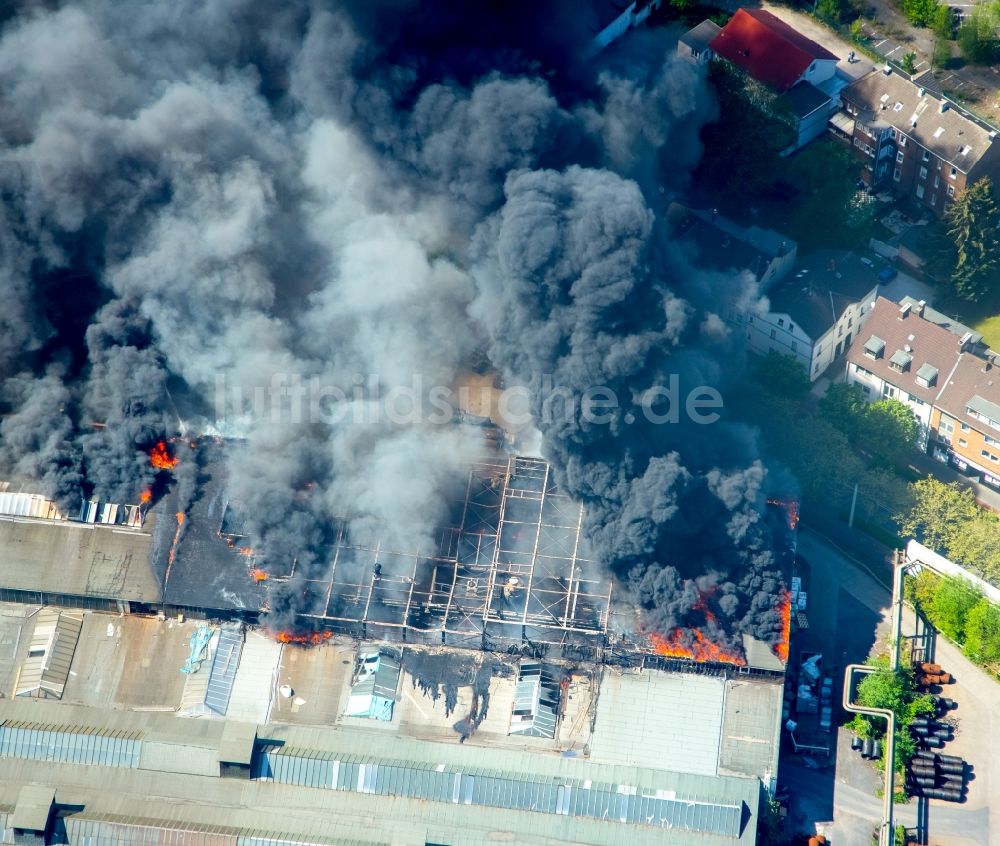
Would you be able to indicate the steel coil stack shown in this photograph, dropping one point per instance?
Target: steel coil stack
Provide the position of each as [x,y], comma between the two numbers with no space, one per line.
[935,776]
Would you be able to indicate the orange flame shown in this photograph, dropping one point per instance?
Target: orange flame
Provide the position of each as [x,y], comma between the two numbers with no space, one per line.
[312,639]
[699,649]
[785,609]
[161,458]
[791,507]
[177,537]
[258,575]
[145,497]
[246,550]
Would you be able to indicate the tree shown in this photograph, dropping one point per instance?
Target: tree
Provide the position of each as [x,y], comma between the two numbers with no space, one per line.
[972,224]
[944,23]
[843,405]
[742,156]
[889,428]
[909,62]
[781,375]
[982,632]
[941,57]
[830,10]
[920,13]
[954,599]
[977,37]
[940,514]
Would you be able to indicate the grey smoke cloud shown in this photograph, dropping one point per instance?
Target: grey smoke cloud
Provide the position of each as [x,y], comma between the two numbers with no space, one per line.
[266,188]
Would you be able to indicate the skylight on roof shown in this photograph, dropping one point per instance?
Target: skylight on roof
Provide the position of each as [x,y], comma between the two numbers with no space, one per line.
[884,97]
[939,132]
[966,150]
[898,107]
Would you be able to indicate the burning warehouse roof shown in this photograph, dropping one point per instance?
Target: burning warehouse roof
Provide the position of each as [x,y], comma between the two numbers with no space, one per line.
[510,569]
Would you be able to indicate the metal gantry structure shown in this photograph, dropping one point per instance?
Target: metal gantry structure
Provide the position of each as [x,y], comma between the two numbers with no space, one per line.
[510,570]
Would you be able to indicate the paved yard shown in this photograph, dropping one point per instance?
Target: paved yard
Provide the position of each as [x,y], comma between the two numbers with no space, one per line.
[847,605]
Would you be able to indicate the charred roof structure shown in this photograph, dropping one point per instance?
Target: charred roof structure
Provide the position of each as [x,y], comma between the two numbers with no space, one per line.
[510,571]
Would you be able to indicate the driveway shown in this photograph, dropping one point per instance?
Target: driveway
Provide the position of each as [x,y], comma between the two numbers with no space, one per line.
[848,612]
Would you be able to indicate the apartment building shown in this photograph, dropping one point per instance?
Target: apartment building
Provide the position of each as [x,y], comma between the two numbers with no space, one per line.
[814,315]
[803,72]
[914,141]
[943,372]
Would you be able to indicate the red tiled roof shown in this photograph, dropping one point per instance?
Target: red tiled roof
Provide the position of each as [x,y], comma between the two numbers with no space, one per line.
[767,48]
[931,344]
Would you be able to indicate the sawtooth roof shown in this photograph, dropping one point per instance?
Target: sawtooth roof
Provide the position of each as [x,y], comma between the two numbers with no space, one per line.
[767,48]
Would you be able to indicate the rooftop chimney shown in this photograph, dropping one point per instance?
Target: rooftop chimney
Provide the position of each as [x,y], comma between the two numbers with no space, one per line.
[963,343]
[904,311]
[943,106]
[920,308]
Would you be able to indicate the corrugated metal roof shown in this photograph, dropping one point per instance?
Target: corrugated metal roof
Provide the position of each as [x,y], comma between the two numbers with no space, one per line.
[68,744]
[114,830]
[496,789]
[50,654]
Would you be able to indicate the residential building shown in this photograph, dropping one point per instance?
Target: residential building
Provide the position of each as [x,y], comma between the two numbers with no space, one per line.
[725,245]
[616,17]
[943,372]
[695,44]
[914,140]
[813,315]
[803,72]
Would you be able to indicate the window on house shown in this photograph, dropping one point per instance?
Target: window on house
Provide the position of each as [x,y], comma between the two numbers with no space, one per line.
[816,367]
[926,156]
[937,181]
[900,156]
[954,173]
[781,321]
[933,199]
[963,442]
[946,426]
[791,327]
[774,334]
[902,140]
[951,190]
[914,400]
[923,173]
[896,174]
[985,453]
[892,133]
[867,391]
[920,192]
[888,390]
[795,347]
[964,427]
[939,164]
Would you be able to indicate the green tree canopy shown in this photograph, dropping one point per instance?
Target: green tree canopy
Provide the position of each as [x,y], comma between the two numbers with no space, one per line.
[940,513]
[920,13]
[977,36]
[953,600]
[944,22]
[843,405]
[982,633]
[781,375]
[742,156]
[889,428]
[972,223]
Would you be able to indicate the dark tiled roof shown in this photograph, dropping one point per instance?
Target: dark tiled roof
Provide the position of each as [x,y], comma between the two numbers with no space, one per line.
[824,285]
[951,135]
[767,48]
[929,343]
[804,98]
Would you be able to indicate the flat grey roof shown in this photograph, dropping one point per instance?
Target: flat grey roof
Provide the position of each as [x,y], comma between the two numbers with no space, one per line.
[657,719]
[79,560]
[34,804]
[985,407]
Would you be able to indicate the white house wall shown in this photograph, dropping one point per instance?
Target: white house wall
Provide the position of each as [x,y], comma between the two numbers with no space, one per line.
[825,351]
[876,388]
[788,338]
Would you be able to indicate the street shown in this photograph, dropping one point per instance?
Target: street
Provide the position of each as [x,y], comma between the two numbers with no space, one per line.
[848,614]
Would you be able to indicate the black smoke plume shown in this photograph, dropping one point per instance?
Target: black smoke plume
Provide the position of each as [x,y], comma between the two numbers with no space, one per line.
[255,193]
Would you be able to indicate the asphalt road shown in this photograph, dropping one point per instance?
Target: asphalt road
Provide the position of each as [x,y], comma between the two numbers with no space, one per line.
[848,613]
